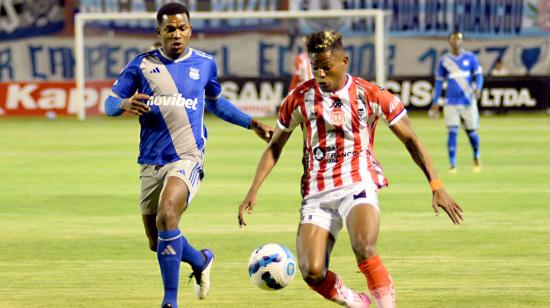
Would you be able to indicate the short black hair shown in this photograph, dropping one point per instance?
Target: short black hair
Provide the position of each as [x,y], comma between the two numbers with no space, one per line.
[457,32]
[324,41]
[172,8]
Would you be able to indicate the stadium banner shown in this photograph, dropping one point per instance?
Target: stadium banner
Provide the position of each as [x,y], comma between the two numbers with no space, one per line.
[526,93]
[257,97]
[51,98]
[481,19]
[262,96]
[264,56]
[24,18]
[414,18]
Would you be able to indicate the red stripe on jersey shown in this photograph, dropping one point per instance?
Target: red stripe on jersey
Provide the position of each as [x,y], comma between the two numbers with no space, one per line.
[340,150]
[322,133]
[308,166]
[355,127]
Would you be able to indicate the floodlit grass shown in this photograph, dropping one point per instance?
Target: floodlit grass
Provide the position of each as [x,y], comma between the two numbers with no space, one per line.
[71,234]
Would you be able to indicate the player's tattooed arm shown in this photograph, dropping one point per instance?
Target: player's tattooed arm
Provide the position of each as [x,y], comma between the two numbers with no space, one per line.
[137,104]
[403,130]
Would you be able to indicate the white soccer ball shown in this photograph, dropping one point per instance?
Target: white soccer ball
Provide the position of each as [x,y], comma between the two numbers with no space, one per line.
[271,267]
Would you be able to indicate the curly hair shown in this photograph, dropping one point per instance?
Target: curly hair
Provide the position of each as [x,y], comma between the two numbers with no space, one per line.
[324,41]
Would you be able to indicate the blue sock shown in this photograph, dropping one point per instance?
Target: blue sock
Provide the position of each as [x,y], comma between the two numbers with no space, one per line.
[169,256]
[190,255]
[451,144]
[474,141]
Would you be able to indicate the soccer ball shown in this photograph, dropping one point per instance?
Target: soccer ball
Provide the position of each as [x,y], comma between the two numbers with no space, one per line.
[271,267]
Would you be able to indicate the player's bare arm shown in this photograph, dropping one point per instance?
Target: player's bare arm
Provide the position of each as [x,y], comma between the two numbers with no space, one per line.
[136,104]
[262,130]
[265,165]
[403,130]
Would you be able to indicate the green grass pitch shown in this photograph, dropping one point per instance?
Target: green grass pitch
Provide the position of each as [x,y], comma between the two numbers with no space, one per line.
[71,234]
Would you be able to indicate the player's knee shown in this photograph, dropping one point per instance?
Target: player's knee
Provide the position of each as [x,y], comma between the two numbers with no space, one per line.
[364,250]
[313,274]
[452,129]
[166,218]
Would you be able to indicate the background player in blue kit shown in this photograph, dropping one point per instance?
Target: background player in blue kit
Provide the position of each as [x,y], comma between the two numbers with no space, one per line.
[168,89]
[459,67]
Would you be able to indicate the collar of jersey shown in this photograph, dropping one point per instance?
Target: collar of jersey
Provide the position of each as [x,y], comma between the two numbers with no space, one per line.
[460,53]
[181,58]
[337,92]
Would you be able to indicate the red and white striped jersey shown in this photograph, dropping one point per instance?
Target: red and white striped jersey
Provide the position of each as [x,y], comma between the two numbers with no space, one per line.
[338,131]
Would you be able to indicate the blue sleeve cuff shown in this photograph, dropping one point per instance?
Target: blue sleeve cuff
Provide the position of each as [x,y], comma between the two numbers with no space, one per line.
[437,91]
[112,106]
[226,111]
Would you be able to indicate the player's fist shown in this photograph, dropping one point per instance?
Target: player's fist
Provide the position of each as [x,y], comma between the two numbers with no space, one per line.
[137,104]
[434,112]
[263,131]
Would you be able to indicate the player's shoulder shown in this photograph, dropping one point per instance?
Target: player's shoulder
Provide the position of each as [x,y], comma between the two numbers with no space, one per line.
[302,88]
[201,54]
[366,86]
[468,54]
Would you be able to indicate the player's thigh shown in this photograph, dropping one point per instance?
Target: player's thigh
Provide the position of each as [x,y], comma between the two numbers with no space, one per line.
[151,187]
[314,245]
[451,115]
[189,172]
[361,212]
[470,117]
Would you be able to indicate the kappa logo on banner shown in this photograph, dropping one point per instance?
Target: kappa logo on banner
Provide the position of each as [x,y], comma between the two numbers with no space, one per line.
[37,98]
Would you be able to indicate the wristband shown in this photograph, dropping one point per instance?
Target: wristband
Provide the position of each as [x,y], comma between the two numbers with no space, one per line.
[436,184]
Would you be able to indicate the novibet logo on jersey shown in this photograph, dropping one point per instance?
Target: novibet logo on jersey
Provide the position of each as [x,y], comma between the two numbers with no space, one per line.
[174,100]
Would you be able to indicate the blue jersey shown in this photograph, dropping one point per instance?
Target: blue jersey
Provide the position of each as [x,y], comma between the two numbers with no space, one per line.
[173,129]
[459,71]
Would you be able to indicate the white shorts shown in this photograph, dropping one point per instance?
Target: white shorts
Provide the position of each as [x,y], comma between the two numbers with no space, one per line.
[154,177]
[467,115]
[329,209]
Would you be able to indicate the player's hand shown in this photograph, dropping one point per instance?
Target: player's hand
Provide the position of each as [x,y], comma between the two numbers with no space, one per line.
[137,104]
[434,112]
[263,131]
[442,200]
[247,205]
[477,94]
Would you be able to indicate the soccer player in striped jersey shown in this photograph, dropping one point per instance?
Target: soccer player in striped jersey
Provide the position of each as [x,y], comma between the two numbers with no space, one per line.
[168,89]
[459,67]
[338,114]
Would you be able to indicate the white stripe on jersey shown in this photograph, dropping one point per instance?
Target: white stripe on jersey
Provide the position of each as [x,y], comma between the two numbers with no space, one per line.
[459,76]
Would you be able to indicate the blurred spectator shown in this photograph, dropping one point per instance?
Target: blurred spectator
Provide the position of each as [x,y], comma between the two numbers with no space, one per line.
[302,69]
[499,69]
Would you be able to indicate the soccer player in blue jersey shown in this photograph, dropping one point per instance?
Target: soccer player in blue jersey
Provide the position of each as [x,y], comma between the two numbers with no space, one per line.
[168,89]
[460,68]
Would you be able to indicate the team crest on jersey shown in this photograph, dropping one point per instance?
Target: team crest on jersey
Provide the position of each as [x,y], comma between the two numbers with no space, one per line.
[194,73]
[337,117]
[465,62]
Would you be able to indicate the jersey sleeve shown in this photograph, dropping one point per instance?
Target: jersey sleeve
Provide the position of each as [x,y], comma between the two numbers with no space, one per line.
[213,88]
[390,107]
[127,81]
[476,68]
[289,113]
